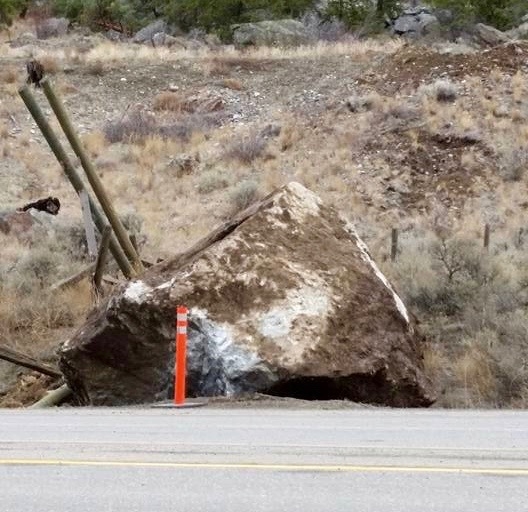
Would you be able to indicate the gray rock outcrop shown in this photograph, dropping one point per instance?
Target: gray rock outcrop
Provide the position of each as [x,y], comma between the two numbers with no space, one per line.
[415,22]
[520,32]
[284,299]
[490,35]
[147,33]
[271,33]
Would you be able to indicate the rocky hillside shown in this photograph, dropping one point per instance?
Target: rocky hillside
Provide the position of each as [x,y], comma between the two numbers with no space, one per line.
[431,140]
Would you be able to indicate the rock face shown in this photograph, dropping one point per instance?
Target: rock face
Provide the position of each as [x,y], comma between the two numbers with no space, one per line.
[283,299]
[271,33]
[415,22]
[147,33]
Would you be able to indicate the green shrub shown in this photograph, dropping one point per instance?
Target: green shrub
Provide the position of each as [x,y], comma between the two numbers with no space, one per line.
[502,14]
[211,181]
[363,15]
[11,8]
[246,193]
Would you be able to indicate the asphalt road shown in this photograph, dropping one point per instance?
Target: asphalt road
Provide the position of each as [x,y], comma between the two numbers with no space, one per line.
[252,460]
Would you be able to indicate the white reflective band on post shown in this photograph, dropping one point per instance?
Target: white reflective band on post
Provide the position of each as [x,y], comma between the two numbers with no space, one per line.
[181,330]
[181,317]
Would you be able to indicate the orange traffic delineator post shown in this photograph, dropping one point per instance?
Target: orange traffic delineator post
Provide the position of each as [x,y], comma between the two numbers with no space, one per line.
[180,369]
[180,364]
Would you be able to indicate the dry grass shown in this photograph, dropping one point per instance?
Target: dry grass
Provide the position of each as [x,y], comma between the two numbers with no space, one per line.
[471,305]
[9,75]
[365,158]
[95,68]
[95,143]
[168,100]
[243,195]
[50,64]
[246,148]
[233,84]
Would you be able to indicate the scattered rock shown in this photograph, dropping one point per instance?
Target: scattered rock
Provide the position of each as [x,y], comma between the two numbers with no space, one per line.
[271,33]
[284,299]
[521,32]
[114,35]
[147,33]
[490,35]
[203,102]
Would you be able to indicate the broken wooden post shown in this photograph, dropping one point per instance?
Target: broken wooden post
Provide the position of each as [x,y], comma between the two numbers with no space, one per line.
[91,174]
[101,259]
[52,398]
[394,244]
[72,280]
[71,173]
[91,242]
[15,357]
[486,236]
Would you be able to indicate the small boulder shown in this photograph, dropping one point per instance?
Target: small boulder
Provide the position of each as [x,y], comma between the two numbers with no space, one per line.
[490,36]
[418,22]
[159,39]
[271,33]
[146,34]
[115,35]
[284,299]
[518,33]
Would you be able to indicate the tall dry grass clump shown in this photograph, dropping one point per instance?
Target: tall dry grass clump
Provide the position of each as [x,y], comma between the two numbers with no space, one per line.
[472,305]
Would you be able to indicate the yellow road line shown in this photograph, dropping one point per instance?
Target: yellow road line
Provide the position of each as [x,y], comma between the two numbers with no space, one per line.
[273,467]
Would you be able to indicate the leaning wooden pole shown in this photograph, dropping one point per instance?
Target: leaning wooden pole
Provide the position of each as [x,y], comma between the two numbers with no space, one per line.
[97,185]
[15,357]
[71,173]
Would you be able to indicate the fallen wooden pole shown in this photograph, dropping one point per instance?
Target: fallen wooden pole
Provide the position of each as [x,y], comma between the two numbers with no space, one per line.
[8,354]
[52,398]
[70,281]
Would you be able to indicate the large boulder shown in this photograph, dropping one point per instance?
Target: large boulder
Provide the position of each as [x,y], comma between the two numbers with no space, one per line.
[284,299]
[415,22]
[271,33]
[490,35]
